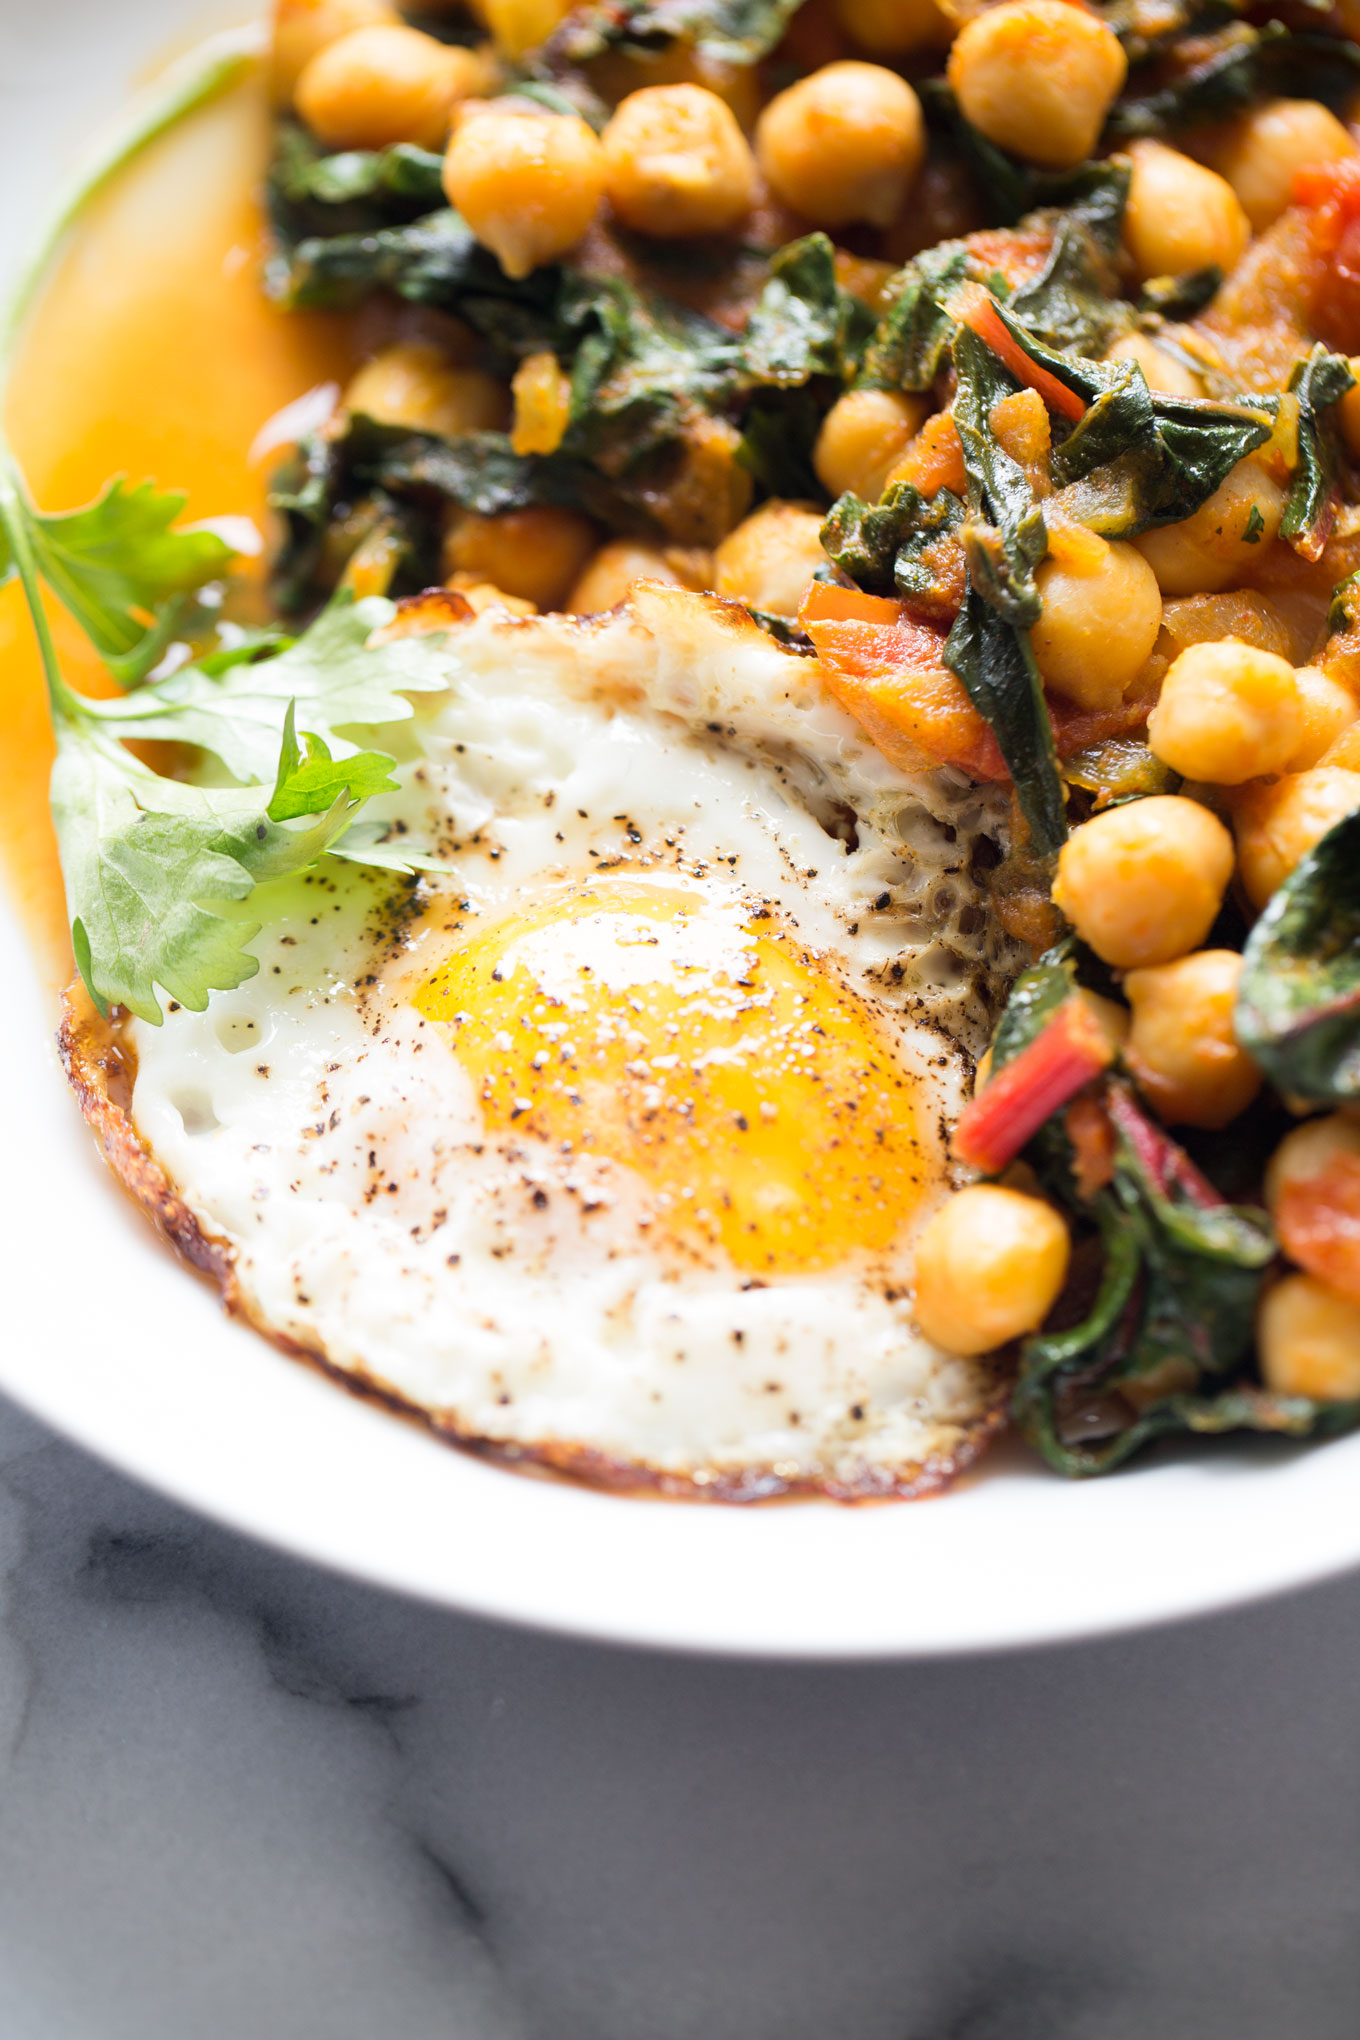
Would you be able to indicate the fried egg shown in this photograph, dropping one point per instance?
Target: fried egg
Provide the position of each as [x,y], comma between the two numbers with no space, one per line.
[605,1144]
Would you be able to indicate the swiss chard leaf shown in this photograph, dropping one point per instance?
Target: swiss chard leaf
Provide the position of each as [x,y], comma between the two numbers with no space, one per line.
[803,323]
[434,260]
[1138,459]
[1239,65]
[728,31]
[886,547]
[988,648]
[1167,1339]
[994,661]
[1317,383]
[1298,1008]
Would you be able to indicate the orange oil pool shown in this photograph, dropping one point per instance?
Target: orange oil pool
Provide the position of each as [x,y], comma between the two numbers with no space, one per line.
[152,352]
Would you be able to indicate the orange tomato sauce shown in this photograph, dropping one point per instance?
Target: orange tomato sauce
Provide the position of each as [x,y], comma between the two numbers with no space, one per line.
[151,352]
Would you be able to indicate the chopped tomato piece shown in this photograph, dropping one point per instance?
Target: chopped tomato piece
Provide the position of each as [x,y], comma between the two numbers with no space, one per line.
[829,602]
[978,311]
[1091,1132]
[1070,1049]
[887,668]
[1331,193]
[1318,1220]
[934,459]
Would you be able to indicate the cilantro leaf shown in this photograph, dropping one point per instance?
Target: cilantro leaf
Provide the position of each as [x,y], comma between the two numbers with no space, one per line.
[309,783]
[329,676]
[148,861]
[122,571]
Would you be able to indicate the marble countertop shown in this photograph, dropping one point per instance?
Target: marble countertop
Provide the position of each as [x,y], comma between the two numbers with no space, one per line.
[244,1800]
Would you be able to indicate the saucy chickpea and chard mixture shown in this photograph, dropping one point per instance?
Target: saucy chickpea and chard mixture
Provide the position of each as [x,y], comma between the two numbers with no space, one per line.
[1005,359]
[999,356]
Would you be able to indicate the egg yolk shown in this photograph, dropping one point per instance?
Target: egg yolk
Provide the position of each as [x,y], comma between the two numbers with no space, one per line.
[755,1093]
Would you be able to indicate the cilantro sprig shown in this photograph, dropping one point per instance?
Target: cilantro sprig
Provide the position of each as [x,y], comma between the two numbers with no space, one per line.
[160,871]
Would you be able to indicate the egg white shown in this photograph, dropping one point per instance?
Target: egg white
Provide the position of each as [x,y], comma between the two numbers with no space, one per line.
[536,1301]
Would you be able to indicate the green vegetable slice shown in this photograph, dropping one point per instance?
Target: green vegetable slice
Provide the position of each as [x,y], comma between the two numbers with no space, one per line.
[1298,1007]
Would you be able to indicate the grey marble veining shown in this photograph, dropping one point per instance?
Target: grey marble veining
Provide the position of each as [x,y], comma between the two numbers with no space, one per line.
[242,1800]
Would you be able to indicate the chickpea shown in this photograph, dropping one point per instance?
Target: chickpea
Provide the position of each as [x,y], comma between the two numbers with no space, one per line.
[528,184]
[536,554]
[302,28]
[1227,713]
[677,164]
[771,556]
[413,384]
[1223,539]
[521,25]
[1348,410]
[1269,144]
[1307,1151]
[1142,883]
[843,145]
[618,566]
[1328,709]
[1279,823]
[1308,1338]
[1161,371]
[1102,612]
[542,394]
[989,1267]
[1038,77]
[894,28]
[863,436]
[385,84]
[1181,1045]
[1179,215]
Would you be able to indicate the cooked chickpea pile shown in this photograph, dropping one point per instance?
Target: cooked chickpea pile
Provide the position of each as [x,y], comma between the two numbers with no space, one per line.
[1203,640]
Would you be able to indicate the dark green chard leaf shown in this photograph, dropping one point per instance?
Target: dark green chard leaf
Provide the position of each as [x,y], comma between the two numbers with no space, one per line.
[1004,539]
[910,345]
[1242,64]
[435,260]
[803,328]
[1180,297]
[1070,304]
[728,31]
[884,547]
[404,172]
[1139,459]
[1003,552]
[315,196]
[994,661]
[803,323]
[1167,1339]
[1298,1008]
[777,439]
[1010,188]
[1314,498]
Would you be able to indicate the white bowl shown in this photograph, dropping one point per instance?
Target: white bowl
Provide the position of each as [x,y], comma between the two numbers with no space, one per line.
[111,1341]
